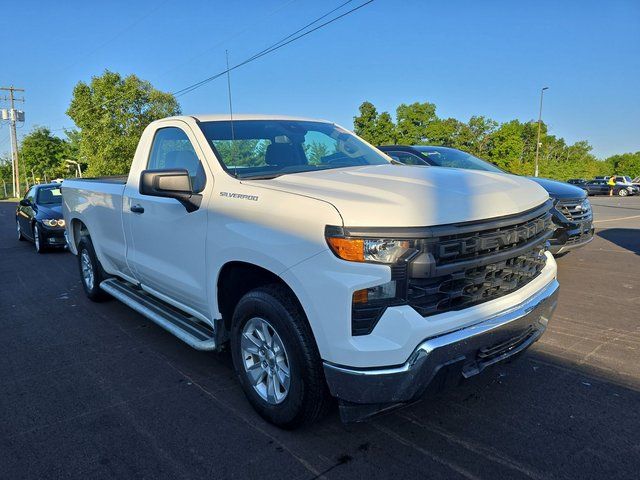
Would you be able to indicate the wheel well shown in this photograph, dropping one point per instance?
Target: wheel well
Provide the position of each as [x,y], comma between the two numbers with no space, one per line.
[79,230]
[238,278]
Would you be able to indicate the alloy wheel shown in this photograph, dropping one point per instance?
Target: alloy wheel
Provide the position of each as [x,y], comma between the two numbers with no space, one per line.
[265,360]
[36,237]
[87,269]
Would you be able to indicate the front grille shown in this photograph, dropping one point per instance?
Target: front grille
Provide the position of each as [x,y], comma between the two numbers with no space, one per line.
[476,244]
[458,266]
[475,285]
[578,238]
[489,353]
[576,210]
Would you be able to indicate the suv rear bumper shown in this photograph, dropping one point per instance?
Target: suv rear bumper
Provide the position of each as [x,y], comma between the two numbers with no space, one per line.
[467,351]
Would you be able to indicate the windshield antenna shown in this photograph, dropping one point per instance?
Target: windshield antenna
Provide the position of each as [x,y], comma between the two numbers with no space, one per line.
[233,136]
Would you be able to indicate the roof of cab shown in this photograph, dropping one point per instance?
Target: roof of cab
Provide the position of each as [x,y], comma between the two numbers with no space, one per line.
[225,117]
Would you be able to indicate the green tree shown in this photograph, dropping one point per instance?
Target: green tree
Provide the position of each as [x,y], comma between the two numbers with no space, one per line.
[510,145]
[6,176]
[42,155]
[625,164]
[412,122]
[377,129]
[385,130]
[479,133]
[111,112]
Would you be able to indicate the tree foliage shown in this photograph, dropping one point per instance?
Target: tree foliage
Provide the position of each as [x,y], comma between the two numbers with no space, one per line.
[42,155]
[111,112]
[510,145]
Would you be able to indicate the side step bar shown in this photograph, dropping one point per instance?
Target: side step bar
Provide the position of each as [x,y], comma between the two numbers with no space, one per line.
[187,328]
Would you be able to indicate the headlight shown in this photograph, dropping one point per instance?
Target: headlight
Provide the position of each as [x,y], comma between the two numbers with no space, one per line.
[53,222]
[368,249]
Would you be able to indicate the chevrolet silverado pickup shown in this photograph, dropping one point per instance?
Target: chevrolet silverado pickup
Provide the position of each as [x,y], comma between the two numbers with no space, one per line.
[327,268]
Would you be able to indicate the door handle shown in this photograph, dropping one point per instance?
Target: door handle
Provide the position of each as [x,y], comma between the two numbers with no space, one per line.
[137,208]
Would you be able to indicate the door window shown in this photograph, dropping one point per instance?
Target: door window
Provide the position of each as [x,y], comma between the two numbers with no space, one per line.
[172,149]
[31,195]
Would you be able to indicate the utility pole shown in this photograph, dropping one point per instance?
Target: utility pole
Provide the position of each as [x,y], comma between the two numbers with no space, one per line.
[539,123]
[13,118]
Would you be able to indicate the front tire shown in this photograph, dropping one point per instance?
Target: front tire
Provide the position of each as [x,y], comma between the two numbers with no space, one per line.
[91,272]
[19,230]
[622,192]
[276,358]
[37,239]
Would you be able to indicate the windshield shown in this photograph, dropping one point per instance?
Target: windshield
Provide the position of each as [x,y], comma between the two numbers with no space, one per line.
[49,196]
[269,148]
[450,157]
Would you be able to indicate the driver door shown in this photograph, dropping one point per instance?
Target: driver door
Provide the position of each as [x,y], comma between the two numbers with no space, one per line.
[166,244]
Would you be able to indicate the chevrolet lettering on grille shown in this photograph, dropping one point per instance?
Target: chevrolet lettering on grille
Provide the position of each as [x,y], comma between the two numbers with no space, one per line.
[493,240]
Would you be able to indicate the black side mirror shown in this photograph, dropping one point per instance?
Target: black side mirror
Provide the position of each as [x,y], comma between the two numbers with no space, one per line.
[25,203]
[171,183]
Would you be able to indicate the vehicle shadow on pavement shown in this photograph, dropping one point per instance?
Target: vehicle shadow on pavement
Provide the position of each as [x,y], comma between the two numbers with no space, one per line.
[538,417]
[627,238]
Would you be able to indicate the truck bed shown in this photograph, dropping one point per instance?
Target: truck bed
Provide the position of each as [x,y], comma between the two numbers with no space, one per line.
[100,201]
[117,179]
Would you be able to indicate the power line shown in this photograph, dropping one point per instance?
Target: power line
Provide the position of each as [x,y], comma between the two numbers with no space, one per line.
[272,48]
[231,37]
[276,46]
[116,35]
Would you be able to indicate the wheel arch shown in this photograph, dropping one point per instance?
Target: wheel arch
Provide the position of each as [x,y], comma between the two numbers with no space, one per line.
[236,278]
[77,230]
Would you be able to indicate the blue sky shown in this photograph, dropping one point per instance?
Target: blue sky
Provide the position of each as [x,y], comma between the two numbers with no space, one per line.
[468,57]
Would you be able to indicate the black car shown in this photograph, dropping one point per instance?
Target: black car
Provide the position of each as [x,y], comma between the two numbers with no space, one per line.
[601,187]
[577,181]
[39,217]
[571,212]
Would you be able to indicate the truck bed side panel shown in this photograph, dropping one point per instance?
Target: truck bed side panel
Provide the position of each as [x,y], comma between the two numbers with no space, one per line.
[98,204]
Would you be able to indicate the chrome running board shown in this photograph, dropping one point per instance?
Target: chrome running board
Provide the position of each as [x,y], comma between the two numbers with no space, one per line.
[186,327]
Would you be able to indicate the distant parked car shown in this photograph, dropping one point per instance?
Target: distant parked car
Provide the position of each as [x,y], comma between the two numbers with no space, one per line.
[39,217]
[571,210]
[627,182]
[601,187]
[577,181]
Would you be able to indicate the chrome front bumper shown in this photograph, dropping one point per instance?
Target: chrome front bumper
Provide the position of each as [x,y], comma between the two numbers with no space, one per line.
[464,352]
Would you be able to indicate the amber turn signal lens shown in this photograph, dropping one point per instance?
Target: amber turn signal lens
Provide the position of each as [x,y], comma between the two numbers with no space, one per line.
[347,248]
[361,296]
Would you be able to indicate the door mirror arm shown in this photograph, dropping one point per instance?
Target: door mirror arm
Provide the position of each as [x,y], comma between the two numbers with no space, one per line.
[170,183]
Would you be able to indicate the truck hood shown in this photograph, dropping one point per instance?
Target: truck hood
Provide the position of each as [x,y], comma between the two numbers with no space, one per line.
[413,196]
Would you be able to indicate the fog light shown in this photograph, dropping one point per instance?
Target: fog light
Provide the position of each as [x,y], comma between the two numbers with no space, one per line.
[385,291]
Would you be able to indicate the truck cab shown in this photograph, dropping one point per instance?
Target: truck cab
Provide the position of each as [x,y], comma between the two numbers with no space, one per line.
[327,268]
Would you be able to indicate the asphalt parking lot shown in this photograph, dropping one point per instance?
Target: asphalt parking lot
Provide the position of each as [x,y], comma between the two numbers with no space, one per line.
[97,391]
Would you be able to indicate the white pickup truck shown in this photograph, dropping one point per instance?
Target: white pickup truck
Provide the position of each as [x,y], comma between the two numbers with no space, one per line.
[329,269]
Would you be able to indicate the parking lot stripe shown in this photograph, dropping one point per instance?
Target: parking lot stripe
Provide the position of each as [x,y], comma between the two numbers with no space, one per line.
[616,219]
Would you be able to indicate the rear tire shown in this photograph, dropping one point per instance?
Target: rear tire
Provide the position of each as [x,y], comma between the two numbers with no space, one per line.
[91,272]
[302,397]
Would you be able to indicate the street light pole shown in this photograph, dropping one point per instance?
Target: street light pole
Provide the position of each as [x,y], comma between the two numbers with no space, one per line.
[539,124]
